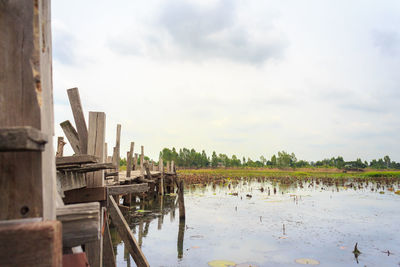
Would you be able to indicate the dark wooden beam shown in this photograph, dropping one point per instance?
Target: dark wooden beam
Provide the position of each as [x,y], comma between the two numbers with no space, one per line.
[85,195]
[77,111]
[127,189]
[22,139]
[77,159]
[72,136]
[31,244]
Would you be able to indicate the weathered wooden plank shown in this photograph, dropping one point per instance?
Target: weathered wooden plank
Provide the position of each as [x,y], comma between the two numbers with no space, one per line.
[80,123]
[135,162]
[69,181]
[60,146]
[80,223]
[85,195]
[27,179]
[129,160]
[71,135]
[92,167]
[127,189]
[31,244]
[97,124]
[108,248]
[22,139]
[76,159]
[94,249]
[126,234]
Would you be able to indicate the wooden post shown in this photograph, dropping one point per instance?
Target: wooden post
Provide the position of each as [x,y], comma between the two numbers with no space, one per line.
[135,162]
[161,169]
[117,151]
[129,160]
[27,179]
[168,167]
[141,162]
[94,250]
[126,234]
[105,152]
[108,249]
[181,200]
[60,146]
[97,128]
[80,123]
[172,166]
[181,234]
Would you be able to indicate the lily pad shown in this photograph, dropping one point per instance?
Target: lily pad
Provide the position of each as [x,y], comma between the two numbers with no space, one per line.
[143,211]
[221,263]
[307,261]
[397,192]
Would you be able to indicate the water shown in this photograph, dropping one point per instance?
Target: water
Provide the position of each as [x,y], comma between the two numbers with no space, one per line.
[301,220]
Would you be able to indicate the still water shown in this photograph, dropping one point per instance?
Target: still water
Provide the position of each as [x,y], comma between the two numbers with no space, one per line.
[266,223]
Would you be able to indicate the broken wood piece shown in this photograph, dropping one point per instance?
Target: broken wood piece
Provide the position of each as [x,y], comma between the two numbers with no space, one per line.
[80,123]
[31,244]
[80,223]
[22,139]
[127,189]
[72,136]
[129,160]
[76,159]
[96,140]
[60,146]
[69,181]
[126,234]
[92,167]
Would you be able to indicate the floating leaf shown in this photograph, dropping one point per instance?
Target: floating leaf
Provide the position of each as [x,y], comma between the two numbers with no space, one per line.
[381,192]
[141,211]
[307,261]
[397,192]
[221,263]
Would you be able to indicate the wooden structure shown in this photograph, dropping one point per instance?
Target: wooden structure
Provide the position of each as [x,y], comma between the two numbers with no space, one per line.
[56,209]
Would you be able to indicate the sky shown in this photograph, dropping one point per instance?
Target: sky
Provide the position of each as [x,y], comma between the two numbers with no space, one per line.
[250,78]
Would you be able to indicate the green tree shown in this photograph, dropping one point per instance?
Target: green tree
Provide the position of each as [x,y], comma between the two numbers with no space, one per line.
[214,160]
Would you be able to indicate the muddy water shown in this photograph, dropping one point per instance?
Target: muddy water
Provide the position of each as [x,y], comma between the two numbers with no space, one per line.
[264,223]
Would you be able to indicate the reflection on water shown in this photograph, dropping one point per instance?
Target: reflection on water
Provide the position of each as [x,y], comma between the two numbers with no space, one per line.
[270,222]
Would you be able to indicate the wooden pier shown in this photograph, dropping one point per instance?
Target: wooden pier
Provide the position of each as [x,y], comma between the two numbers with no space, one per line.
[55,210]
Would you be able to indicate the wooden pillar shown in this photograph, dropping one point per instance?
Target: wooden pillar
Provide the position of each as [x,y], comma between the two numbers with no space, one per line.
[105,152]
[129,160]
[172,166]
[96,134]
[135,162]
[27,178]
[60,146]
[80,123]
[117,151]
[161,169]
[141,161]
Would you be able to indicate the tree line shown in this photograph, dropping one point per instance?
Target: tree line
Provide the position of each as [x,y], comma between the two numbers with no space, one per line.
[190,158]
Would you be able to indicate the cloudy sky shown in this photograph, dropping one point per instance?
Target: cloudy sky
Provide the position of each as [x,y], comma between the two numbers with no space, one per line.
[317,78]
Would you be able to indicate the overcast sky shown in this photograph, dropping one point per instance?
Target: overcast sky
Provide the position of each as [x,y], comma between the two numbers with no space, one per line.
[317,78]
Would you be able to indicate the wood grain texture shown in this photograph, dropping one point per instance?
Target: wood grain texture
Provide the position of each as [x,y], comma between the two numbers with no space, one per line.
[85,195]
[80,123]
[31,244]
[60,146]
[129,160]
[72,136]
[27,179]
[76,159]
[80,223]
[108,248]
[94,249]
[22,139]
[96,140]
[126,234]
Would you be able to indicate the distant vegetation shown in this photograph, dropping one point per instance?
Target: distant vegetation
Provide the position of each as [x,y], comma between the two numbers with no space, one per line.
[190,158]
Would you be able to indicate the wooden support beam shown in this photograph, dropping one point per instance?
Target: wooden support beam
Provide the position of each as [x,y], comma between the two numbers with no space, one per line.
[97,128]
[27,179]
[69,181]
[80,223]
[116,153]
[126,234]
[31,244]
[85,195]
[135,162]
[77,111]
[181,200]
[129,160]
[72,136]
[147,168]
[127,189]
[22,139]
[60,146]
[76,159]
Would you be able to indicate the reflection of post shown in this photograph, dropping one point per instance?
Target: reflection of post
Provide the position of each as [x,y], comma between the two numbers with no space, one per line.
[140,234]
[160,221]
[181,201]
[181,234]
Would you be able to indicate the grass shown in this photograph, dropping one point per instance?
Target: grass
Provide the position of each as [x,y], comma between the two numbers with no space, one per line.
[317,173]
